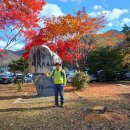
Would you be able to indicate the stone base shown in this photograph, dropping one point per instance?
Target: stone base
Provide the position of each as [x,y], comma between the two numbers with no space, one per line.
[44,85]
[99,109]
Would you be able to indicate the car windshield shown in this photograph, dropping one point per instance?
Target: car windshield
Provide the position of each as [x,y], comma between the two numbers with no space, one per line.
[72,74]
[20,75]
[29,75]
[4,75]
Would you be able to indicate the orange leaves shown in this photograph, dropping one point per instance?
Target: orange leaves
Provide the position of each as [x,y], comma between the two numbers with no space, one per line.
[87,47]
[120,36]
[112,34]
[110,38]
[73,26]
[62,34]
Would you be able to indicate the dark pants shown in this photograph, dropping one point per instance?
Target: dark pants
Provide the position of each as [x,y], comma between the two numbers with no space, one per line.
[59,90]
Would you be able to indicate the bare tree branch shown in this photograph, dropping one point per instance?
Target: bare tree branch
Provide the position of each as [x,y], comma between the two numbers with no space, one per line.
[9,42]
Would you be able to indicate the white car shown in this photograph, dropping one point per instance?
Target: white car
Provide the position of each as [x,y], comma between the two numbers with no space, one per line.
[28,78]
[70,77]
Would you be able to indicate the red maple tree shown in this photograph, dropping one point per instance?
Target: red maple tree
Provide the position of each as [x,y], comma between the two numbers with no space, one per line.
[19,18]
[62,34]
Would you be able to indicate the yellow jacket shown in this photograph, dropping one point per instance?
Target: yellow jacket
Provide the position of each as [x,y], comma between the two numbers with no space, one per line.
[59,76]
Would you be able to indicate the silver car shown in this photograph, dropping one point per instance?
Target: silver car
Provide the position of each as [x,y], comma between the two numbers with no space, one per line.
[70,77]
[6,78]
[28,78]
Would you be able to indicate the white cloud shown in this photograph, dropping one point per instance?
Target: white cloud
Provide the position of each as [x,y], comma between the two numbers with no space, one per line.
[126,20]
[97,7]
[119,23]
[122,22]
[110,15]
[51,10]
[12,46]
[110,24]
[114,14]
[94,14]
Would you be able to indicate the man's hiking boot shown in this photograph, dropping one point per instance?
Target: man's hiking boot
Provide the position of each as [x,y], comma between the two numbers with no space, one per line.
[61,106]
[56,105]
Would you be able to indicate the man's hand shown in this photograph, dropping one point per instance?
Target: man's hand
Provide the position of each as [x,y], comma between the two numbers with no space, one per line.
[46,74]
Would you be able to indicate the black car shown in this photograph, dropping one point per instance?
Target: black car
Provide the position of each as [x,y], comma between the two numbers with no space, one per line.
[19,78]
[127,76]
[6,78]
[107,75]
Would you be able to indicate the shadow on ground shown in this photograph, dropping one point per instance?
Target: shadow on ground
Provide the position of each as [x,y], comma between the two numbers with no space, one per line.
[25,109]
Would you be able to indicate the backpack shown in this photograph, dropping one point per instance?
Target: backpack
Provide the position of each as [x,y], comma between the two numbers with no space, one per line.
[61,73]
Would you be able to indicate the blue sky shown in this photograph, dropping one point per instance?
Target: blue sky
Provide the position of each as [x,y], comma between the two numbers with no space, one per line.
[117,11]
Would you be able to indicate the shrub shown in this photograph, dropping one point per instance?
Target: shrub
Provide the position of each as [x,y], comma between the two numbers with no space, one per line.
[19,88]
[80,80]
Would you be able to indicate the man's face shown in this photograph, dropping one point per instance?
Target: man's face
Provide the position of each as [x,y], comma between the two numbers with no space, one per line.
[58,66]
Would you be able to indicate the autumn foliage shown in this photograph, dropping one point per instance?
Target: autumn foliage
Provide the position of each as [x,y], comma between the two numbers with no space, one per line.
[19,12]
[62,34]
[70,26]
[19,17]
[109,38]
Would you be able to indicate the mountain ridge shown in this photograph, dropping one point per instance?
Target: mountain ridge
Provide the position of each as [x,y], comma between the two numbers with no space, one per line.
[9,56]
[15,55]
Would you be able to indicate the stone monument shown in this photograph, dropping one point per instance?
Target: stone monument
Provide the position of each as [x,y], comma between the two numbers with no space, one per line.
[41,61]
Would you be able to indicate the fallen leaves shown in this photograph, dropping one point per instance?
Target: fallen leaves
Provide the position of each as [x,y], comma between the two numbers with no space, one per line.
[75,114]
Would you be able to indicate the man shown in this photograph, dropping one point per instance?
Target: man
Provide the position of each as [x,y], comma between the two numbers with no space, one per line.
[59,83]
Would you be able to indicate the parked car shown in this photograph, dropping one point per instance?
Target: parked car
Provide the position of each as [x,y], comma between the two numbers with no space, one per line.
[69,72]
[6,78]
[127,76]
[70,77]
[28,78]
[107,75]
[19,78]
[91,74]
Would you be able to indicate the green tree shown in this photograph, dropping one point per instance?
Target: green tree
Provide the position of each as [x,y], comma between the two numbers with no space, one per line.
[125,47]
[105,58]
[20,65]
[126,29]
